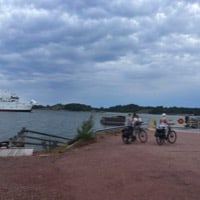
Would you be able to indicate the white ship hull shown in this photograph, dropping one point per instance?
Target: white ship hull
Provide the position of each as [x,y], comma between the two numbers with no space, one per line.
[11,102]
[16,106]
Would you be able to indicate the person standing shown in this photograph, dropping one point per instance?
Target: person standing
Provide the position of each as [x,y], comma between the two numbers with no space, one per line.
[129,120]
[136,122]
[187,120]
[129,124]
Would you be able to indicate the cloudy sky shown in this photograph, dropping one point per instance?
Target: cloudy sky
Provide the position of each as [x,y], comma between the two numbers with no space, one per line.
[101,53]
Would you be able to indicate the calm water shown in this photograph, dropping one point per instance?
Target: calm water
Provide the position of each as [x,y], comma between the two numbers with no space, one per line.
[64,123]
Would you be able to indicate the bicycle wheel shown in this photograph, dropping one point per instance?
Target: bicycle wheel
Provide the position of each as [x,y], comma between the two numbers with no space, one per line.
[172,136]
[160,140]
[127,139]
[142,135]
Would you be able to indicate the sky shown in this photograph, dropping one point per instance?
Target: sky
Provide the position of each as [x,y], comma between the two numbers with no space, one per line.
[101,53]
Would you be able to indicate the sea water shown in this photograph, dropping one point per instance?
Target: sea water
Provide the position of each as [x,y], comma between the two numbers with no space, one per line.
[62,123]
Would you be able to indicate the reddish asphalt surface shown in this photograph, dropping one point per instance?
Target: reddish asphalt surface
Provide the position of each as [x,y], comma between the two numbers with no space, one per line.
[107,170]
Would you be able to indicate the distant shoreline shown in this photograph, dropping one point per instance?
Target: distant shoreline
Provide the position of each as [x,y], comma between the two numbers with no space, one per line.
[130,108]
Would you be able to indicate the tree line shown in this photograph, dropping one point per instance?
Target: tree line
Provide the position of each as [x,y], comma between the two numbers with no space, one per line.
[130,108]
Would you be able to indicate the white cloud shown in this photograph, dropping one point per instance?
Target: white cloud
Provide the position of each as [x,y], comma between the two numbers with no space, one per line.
[100,52]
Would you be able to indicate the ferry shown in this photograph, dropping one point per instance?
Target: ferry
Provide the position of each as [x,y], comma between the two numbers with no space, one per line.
[11,102]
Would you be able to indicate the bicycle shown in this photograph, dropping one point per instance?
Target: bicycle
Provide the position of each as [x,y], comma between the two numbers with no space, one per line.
[162,136]
[130,134]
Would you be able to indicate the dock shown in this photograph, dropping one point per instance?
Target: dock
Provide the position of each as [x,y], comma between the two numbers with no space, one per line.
[16,151]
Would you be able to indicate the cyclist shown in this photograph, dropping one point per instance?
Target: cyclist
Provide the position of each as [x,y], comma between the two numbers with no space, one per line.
[136,120]
[164,123]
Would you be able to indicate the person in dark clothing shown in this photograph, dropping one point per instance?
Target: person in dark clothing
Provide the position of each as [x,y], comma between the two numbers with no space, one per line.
[187,120]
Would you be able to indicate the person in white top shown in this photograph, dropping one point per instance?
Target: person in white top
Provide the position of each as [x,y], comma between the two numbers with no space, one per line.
[129,120]
[136,120]
[164,123]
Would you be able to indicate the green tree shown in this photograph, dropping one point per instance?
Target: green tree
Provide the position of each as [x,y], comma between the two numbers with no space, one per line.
[86,130]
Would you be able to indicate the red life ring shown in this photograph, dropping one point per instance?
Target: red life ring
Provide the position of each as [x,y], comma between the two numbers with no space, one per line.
[180,121]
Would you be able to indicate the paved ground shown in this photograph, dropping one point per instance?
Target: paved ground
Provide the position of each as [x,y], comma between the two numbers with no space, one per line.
[107,170]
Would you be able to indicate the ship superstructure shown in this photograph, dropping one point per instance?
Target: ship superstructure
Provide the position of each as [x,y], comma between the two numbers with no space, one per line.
[11,102]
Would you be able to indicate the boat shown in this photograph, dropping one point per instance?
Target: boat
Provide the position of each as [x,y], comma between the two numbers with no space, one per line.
[11,102]
[194,122]
[114,120]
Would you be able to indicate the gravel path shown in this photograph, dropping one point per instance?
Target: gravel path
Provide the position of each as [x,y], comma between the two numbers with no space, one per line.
[107,170]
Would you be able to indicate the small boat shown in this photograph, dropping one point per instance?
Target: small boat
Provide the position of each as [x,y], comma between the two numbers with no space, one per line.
[193,123]
[114,121]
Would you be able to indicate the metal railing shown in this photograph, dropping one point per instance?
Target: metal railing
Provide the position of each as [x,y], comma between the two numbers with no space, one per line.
[35,138]
[44,140]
